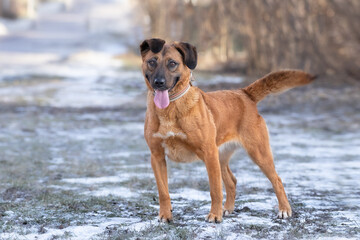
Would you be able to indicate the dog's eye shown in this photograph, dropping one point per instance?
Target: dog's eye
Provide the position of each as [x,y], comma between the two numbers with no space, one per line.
[152,64]
[172,64]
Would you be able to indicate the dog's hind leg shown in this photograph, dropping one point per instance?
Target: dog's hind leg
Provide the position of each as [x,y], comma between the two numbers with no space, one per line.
[229,181]
[255,140]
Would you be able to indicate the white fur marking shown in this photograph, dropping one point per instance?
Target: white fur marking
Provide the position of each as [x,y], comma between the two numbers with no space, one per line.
[170,134]
[229,146]
[283,214]
[165,148]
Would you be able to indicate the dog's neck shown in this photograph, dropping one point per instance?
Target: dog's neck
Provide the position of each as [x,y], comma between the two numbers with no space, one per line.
[179,94]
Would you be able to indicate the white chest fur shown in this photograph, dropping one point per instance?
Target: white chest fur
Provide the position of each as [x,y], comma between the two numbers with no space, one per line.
[169,134]
[175,146]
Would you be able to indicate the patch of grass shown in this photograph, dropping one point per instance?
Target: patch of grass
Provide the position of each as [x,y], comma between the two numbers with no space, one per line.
[153,231]
[140,183]
[51,209]
[66,235]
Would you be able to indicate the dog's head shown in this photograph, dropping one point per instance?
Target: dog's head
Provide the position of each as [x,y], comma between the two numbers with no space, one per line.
[167,67]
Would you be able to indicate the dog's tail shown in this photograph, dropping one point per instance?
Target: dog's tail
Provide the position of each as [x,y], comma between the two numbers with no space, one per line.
[277,82]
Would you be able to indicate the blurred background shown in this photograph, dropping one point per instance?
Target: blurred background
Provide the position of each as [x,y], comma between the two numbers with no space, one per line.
[252,37]
[73,160]
[260,36]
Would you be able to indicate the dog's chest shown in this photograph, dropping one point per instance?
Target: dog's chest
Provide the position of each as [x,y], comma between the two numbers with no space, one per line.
[174,143]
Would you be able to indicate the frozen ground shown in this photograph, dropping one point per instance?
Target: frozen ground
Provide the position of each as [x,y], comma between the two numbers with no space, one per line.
[74,164]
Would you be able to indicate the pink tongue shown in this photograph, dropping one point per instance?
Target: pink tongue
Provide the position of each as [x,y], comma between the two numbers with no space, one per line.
[161,99]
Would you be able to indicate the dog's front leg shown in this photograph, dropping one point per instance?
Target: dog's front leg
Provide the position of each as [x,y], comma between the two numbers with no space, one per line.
[158,164]
[211,159]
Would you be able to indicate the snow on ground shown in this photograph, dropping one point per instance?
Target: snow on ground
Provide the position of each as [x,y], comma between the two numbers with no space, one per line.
[73,232]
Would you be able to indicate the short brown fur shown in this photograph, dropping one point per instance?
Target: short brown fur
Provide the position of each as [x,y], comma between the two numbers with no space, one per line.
[209,127]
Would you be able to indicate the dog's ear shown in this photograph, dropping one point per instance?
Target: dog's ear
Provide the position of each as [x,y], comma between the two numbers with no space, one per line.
[189,54]
[155,45]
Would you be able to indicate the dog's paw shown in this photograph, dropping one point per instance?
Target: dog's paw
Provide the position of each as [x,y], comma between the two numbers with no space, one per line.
[227,211]
[213,218]
[284,213]
[165,216]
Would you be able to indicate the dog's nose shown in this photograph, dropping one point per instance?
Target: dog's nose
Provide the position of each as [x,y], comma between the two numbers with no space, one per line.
[159,82]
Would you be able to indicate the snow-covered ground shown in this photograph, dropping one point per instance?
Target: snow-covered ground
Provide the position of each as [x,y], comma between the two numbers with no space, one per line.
[74,164]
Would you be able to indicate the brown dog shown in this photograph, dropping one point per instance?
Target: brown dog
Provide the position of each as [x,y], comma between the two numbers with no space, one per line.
[187,124]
